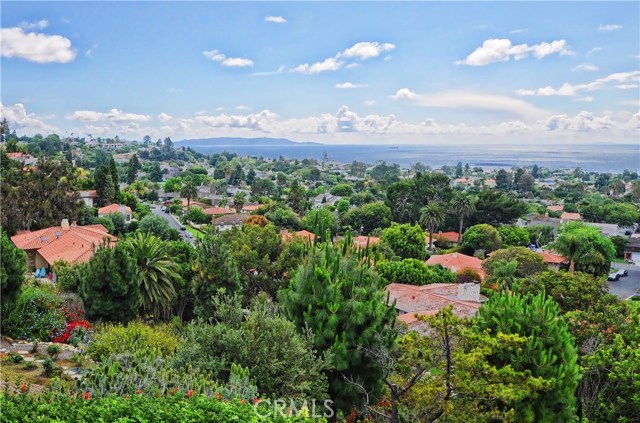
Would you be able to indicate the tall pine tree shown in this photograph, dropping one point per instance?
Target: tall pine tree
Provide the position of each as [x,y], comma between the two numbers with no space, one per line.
[339,296]
[110,287]
[116,181]
[549,353]
[104,186]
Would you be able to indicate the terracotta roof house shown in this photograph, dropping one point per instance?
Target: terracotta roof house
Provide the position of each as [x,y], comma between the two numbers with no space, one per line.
[567,217]
[305,235]
[70,243]
[426,300]
[116,208]
[218,211]
[451,237]
[228,221]
[555,208]
[456,262]
[362,241]
[490,183]
[553,259]
[248,208]
[89,197]
[25,159]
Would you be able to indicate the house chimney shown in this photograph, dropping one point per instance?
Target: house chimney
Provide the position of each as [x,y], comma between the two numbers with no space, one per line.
[469,292]
[65,224]
[123,209]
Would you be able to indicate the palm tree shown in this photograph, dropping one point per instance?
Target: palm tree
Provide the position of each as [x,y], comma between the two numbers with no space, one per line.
[462,206]
[189,191]
[156,272]
[504,274]
[431,217]
[568,244]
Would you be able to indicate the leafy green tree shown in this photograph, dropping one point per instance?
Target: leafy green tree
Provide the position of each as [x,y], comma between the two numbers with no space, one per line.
[113,170]
[462,206]
[369,217]
[155,173]
[196,215]
[548,353]
[340,298]
[159,227]
[414,272]
[432,216]
[183,254]
[284,218]
[459,170]
[513,236]
[405,241]
[528,262]
[526,183]
[13,266]
[110,288]
[105,189]
[133,168]
[342,190]
[173,184]
[402,201]
[156,272]
[320,220]
[296,198]
[482,237]
[38,197]
[215,269]
[495,208]
[540,234]
[238,200]
[585,248]
[503,180]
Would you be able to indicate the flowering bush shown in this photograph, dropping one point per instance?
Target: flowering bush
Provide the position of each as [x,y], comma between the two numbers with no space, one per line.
[74,330]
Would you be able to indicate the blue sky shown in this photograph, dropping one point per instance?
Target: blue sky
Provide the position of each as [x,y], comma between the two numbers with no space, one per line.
[347,72]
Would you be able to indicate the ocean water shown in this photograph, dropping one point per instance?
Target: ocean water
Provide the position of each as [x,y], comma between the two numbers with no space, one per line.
[592,157]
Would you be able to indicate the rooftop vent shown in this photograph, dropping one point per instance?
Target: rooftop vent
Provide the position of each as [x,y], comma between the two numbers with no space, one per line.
[43,238]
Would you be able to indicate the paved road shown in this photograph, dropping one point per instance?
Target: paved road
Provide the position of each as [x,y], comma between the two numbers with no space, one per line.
[627,285]
[173,222]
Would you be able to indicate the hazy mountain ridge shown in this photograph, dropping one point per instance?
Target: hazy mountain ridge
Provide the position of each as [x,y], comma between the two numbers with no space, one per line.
[242,142]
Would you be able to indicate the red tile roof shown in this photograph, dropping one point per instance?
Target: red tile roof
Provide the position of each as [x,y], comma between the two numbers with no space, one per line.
[449,236]
[113,208]
[551,257]
[361,241]
[251,207]
[305,235]
[570,216]
[456,262]
[218,210]
[555,208]
[428,300]
[73,245]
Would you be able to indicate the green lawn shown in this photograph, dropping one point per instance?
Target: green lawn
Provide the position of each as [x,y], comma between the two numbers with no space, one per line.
[196,233]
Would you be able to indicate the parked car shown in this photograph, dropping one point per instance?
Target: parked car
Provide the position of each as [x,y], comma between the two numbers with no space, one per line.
[163,208]
[182,228]
[623,272]
[613,277]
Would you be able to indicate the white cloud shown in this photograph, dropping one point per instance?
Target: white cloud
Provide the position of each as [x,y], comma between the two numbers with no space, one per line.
[587,67]
[275,19]
[164,117]
[620,78]
[470,101]
[627,86]
[360,51]
[518,31]
[216,56]
[26,123]
[369,102]
[349,85]
[113,115]
[366,50]
[353,65]
[594,50]
[35,47]
[609,27]
[501,50]
[243,107]
[330,64]
[41,24]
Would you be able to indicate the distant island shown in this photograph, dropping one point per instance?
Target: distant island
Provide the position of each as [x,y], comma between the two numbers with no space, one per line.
[242,142]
